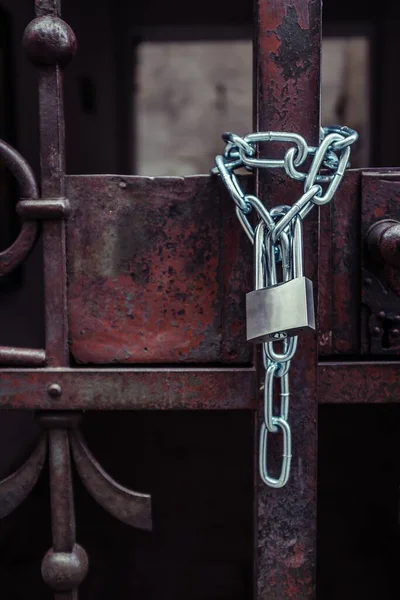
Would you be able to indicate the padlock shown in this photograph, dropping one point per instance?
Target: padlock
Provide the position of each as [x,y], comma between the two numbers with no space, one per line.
[284,309]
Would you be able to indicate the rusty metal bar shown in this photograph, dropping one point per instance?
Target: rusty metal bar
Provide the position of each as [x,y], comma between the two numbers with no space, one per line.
[22,357]
[358,382]
[50,44]
[127,389]
[287,68]
[55,208]
[65,564]
[186,388]
[62,507]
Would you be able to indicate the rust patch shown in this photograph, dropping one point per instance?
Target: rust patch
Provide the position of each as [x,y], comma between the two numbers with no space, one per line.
[294,55]
[158,271]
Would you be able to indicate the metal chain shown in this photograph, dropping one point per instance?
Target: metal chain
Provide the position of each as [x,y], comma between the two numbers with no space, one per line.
[273,238]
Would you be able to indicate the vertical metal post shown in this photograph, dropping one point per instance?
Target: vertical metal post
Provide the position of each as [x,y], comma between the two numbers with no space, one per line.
[287,98]
[50,44]
[65,565]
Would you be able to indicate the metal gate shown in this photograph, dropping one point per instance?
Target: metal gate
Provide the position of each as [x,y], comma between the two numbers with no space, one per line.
[137,320]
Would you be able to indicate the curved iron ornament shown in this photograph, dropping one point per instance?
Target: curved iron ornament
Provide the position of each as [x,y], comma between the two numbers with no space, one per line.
[132,508]
[129,507]
[15,488]
[15,254]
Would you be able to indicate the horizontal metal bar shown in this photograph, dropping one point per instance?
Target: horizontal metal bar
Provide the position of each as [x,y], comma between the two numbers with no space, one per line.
[186,388]
[127,389]
[359,382]
[46,208]
[22,357]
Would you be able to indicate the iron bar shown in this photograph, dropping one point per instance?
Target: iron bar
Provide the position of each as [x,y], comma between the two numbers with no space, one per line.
[22,357]
[286,98]
[126,389]
[65,564]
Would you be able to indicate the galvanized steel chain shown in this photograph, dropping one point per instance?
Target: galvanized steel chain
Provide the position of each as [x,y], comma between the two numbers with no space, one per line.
[278,238]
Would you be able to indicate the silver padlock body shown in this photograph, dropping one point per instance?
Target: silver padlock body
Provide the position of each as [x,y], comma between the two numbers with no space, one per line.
[280,311]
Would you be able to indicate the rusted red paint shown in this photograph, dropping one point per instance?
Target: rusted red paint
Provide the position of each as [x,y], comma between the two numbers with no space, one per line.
[158,271]
[287,62]
[339,269]
[127,389]
[359,382]
[349,324]
[287,99]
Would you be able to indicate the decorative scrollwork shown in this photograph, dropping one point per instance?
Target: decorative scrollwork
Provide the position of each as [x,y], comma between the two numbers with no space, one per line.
[129,507]
[15,488]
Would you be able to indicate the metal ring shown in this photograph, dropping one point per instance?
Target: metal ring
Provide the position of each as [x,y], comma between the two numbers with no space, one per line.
[15,254]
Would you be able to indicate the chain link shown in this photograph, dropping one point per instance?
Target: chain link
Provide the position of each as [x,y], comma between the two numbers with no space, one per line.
[273,239]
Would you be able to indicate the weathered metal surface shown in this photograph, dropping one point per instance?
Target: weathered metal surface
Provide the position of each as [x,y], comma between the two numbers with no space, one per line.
[50,43]
[383,242]
[20,249]
[346,261]
[287,98]
[109,389]
[62,503]
[55,208]
[48,40]
[129,507]
[65,565]
[22,357]
[339,270]
[359,382]
[157,271]
[15,488]
[380,289]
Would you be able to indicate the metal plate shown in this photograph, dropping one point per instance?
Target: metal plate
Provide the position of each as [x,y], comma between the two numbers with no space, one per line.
[158,270]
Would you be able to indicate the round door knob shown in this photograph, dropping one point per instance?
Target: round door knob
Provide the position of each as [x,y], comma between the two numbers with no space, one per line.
[383,242]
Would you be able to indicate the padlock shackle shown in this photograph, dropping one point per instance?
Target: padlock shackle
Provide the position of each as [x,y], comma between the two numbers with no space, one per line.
[297,248]
[265,259]
[259,267]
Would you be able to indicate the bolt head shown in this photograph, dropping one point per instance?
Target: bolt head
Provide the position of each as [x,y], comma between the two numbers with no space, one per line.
[54,390]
